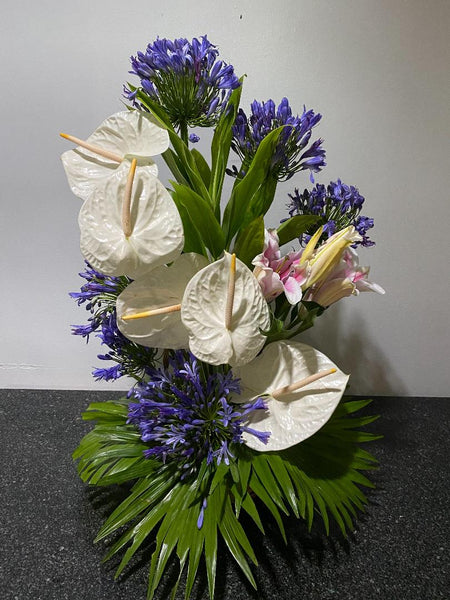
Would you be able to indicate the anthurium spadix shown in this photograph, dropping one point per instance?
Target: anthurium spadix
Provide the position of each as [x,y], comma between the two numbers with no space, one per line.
[301,387]
[224,311]
[130,227]
[148,310]
[120,138]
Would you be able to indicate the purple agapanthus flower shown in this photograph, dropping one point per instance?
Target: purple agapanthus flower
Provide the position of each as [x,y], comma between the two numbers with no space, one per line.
[294,152]
[184,413]
[185,78]
[338,205]
[99,295]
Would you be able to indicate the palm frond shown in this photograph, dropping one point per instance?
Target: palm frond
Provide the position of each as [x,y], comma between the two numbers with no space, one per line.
[321,477]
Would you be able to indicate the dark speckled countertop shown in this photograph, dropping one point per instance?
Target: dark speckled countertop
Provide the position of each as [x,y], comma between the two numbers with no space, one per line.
[48,517]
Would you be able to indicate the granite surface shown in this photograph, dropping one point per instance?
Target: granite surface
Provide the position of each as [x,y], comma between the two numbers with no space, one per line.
[48,517]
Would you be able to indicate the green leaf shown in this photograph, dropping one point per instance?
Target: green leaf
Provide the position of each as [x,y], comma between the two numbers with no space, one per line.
[261,467]
[294,227]
[190,170]
[220,472]
[234,536]
[249,198]
[175,166]
[168,534]
[258,488]
[195,552]
[250,241]
[220,147]
[250,508]
[283,479]
[213,513]
[102,410]
[201,214]
[202,166]
[193,241]
[186,166]
[146,492]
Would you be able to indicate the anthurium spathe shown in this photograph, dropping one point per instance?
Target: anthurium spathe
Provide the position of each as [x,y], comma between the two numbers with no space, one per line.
[125,135]
[224,321]
[162,287]
[291,416]
[155,236]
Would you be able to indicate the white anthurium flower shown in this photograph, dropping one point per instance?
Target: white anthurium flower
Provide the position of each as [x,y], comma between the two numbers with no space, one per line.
[156,231]
[151,293]
[125,135]
[292,415]
[223,309]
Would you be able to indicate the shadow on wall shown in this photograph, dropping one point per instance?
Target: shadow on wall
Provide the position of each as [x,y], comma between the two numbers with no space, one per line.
[355,352]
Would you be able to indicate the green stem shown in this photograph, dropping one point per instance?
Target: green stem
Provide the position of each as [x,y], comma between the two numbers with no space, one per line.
[184,133]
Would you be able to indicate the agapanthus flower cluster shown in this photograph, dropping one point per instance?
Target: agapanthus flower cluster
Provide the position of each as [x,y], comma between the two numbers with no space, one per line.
[186,79]
[99,294]
[292,153]
[338,205]
[184,413]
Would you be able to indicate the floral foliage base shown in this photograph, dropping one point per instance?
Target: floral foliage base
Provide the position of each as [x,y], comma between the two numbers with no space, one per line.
[320,478]
[200,306]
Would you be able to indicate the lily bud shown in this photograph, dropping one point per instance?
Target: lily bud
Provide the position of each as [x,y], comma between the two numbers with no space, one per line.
[327,256]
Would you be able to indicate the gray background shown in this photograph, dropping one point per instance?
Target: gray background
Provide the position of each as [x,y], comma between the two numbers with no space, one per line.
[377,70]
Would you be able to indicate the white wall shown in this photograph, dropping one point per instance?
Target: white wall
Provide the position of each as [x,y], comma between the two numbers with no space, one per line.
[378,70]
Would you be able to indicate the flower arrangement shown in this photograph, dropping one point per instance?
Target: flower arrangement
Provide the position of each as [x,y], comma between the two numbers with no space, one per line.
[198,302]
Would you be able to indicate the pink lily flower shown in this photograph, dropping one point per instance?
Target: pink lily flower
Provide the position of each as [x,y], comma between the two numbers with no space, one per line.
[277,274]
[346,279]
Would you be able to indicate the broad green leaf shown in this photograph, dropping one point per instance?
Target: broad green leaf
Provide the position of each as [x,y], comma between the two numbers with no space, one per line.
[192,239]
[220,147]
[202,215]
[239,211]
[262,201]
[175,166]
[202,166]
[187,162]
[250,241]
[294,227]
